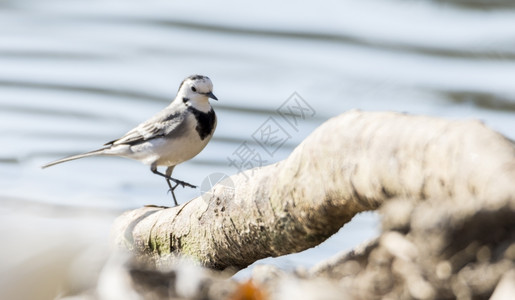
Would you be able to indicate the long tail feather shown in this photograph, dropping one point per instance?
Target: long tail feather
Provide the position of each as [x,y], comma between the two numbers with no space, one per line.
[74,157]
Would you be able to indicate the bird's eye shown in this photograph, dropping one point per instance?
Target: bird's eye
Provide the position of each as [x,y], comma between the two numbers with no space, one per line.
[193,89]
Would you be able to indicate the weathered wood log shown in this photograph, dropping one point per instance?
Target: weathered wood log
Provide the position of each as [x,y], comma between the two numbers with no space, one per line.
[351,163]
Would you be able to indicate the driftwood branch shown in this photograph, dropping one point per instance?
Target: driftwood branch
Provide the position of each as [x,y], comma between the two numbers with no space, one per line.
[351,163]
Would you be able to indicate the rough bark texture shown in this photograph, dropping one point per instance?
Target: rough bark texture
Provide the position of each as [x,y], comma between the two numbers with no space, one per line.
[351,163]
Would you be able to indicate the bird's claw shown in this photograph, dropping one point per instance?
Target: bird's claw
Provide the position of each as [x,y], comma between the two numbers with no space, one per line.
[185,184]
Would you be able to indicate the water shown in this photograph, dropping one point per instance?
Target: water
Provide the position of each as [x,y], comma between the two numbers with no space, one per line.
[76,74]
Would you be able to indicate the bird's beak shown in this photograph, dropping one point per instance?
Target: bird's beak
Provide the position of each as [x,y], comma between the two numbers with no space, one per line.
[212,96]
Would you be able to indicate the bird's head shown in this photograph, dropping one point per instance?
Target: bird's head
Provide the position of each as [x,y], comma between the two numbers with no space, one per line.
[196,89]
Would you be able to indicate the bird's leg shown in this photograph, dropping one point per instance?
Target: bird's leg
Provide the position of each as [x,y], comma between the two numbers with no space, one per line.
[168,177]
[171,190]
[182,183]
[169,171]
[177,181]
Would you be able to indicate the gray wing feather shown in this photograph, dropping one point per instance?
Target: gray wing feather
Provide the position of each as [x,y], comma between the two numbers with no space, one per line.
[160,125]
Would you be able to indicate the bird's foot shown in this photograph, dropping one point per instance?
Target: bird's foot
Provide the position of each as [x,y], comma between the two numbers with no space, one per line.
[183,183]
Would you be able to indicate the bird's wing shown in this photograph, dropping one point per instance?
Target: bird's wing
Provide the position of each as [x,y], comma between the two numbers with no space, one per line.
[161,124]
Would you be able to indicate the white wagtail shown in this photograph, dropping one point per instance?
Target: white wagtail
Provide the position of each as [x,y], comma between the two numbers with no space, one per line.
[172,136]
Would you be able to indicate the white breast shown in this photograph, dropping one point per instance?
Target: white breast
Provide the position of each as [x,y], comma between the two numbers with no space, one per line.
[173,150]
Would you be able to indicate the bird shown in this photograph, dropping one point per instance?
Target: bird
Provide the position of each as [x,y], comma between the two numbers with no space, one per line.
[172,136]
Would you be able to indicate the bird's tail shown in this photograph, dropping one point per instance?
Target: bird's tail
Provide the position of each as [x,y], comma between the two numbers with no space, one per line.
[74,157]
